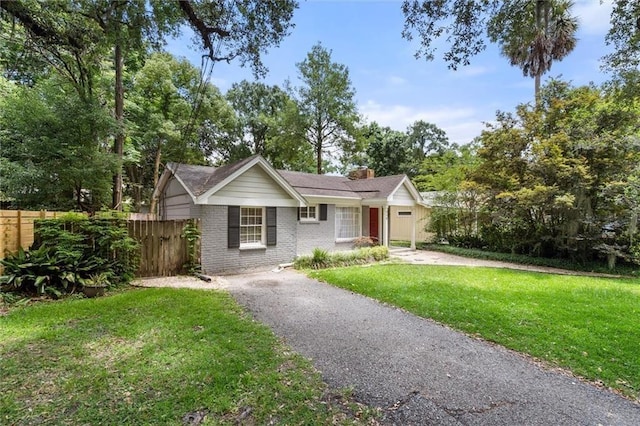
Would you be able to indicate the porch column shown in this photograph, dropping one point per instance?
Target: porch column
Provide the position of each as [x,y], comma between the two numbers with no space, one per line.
[385,226]
[413,228]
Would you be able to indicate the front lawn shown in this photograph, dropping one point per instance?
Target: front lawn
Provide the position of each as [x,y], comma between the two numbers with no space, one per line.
[589,325]
[156,356]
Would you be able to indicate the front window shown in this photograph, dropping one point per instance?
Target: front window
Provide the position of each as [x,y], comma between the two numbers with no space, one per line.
[251,228]
[308,214]
[347,223]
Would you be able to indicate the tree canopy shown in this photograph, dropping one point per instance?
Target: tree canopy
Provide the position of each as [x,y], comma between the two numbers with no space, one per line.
[328,113]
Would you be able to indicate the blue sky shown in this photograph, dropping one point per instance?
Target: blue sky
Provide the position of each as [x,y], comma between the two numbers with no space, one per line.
[395,89]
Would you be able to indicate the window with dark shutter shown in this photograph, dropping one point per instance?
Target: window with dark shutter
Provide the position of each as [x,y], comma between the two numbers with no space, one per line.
[233,227]
[323,212]
[271,226]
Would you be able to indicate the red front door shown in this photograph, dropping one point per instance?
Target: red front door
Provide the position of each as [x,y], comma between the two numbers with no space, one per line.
[374,224]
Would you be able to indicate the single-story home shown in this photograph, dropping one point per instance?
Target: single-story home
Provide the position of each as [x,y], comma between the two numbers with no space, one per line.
[253,215]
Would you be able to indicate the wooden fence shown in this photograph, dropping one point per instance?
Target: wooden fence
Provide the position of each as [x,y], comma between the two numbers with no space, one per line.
[163,251]
[16,228]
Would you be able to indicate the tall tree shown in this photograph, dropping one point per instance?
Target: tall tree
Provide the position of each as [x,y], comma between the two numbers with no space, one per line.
[624,35]
[424,139]
[531,33]
[325,101]
[66,31]
[535,34]
[388,152]
[164,124]
[49,157]
[256,105]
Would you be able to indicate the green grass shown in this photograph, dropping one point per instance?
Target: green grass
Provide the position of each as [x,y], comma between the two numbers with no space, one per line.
[587,325]
[154,356]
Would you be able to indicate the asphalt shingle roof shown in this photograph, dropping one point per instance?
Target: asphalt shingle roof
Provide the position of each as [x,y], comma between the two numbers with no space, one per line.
[200,179]
[340,186]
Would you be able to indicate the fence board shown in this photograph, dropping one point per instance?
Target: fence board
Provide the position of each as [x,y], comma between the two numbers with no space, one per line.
[163,251]
[16,228]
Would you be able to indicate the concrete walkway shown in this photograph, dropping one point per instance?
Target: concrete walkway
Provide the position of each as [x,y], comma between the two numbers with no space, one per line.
[417,371]
[426,257]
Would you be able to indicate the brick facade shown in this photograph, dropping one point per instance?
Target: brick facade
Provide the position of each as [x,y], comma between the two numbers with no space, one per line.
[321,234]
[216,258]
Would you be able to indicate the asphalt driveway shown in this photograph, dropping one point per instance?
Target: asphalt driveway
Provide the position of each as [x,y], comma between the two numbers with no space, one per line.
[417,371]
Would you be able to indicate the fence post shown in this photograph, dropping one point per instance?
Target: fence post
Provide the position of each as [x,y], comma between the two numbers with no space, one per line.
[19,224]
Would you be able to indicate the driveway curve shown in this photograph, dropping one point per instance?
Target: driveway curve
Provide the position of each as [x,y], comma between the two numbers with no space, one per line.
[417,371]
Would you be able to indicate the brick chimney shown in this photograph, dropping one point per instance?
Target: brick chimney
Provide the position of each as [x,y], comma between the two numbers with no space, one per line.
[361,173]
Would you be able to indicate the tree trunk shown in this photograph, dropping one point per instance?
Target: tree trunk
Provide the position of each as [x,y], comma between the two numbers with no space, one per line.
[156,170]
[540,6]
[319,158]
[118,144]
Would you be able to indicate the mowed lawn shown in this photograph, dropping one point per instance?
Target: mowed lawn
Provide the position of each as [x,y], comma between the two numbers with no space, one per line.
[590,326]
[156,356]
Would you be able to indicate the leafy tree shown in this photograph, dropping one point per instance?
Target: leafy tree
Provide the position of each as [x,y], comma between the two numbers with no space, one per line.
[165,122]
[256,105]
[75,36]
[445,170]
[624,35]
[552,172]
[49,157]
[388,152]
[424,139]
[327,109]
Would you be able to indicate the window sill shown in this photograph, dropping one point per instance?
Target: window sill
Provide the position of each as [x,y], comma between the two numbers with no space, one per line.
[305,222]
[252,247]
[345,240]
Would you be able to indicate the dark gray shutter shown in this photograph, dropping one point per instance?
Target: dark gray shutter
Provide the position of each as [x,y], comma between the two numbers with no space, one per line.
[233,227]
[323,212]
[271,226]
[298,209]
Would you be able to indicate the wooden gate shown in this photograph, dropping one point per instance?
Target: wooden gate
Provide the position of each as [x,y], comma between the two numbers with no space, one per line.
[163,250]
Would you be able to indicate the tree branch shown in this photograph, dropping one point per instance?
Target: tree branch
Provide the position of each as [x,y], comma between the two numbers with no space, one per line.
[205,31]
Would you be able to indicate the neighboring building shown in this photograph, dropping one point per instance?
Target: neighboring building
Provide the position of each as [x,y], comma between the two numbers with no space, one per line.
[402,219]
[255,216]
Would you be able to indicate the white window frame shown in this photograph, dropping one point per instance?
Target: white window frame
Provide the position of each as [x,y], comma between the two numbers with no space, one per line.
[358,224]
[304,213]
[248,213]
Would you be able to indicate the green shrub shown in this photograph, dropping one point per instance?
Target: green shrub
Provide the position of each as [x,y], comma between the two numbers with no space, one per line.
[67,252]
[191,234]
[323,259]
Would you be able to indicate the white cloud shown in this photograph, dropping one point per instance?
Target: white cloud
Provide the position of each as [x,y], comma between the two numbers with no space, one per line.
[394,80]
[593,16]
[461,124]
[471,71]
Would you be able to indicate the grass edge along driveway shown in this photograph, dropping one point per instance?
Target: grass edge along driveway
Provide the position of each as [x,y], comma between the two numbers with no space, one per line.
[157,356]
[586,325]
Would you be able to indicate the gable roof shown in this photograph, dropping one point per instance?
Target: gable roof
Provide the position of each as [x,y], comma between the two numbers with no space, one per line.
[199,179]
[203,181]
